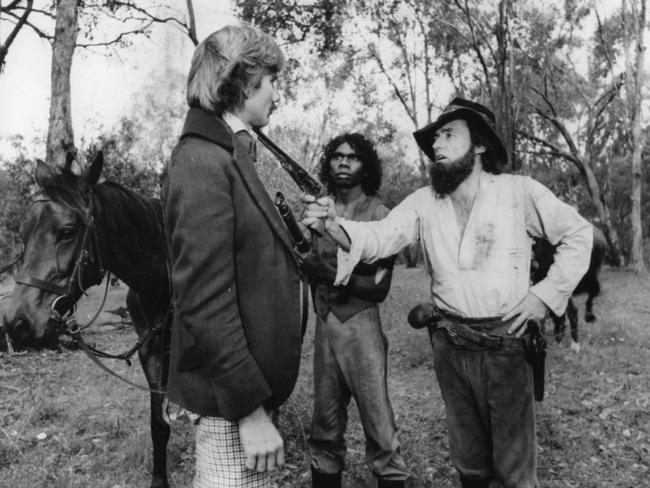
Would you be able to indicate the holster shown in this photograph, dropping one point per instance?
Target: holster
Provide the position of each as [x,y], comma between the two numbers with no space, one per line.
[536,355]
[423,315]
[427,315]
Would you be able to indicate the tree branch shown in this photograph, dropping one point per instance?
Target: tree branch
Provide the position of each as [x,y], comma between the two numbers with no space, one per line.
[191,30]
[39,32]
[555,149]
[475,44]
[601,104]
[546,100]
[398,28]
[9,267]
[4,48]
[162,20]
[118,38]
[599,29]
[11,6]
[373,52]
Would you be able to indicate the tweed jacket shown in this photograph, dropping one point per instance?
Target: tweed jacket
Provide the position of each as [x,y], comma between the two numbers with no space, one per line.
[236,334]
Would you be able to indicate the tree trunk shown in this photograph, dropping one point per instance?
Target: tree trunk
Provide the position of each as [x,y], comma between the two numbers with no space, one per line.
[504,93]
[605,217]
[634,33]
[60,138]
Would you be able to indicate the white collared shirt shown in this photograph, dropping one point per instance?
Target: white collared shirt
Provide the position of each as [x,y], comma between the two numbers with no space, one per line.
[485,271]
[236,124]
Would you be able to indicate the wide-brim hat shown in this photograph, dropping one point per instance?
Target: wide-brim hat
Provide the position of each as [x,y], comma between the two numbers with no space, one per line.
[459,108]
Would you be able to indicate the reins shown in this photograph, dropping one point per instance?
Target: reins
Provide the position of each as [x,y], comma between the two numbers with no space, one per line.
[73,330]
[62,310]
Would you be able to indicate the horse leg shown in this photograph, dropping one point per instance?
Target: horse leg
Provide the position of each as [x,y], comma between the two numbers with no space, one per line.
[151,356]
[589,310]
[153,365]
[572,313]
[559,327]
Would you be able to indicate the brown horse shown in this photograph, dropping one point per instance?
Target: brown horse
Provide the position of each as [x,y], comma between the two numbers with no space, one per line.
[543,258]
[75,230]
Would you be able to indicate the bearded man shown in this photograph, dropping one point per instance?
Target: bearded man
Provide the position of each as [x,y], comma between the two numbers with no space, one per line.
[475,225]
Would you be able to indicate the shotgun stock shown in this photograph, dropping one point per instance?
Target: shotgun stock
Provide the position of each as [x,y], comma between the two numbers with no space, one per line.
[302,244]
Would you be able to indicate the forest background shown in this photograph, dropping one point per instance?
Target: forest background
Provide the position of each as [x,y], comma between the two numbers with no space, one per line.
[567,80]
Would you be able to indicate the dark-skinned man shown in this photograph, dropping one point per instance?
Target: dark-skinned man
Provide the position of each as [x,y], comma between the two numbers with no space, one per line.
[350,350]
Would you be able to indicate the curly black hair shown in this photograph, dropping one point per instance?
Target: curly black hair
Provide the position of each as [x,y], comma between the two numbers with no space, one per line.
[367,155]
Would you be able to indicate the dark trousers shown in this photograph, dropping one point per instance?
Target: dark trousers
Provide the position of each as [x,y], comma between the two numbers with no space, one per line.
[350,361]
[488,397]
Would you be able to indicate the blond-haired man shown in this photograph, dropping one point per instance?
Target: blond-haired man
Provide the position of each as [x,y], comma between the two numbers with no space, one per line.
[236,334]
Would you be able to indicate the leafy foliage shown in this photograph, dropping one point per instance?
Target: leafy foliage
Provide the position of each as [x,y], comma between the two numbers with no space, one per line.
[295,20]
[121,163]
[17,187]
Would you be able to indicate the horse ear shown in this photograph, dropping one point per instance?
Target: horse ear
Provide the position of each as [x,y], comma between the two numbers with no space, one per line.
[91,175]
[43,173]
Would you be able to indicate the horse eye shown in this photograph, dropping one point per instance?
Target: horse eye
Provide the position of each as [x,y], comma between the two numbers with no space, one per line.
[66,233]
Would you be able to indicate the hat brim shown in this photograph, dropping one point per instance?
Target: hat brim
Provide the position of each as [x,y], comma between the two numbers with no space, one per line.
[425,137]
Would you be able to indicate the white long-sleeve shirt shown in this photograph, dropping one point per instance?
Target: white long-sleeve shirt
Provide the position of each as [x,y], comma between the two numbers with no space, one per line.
[485,271]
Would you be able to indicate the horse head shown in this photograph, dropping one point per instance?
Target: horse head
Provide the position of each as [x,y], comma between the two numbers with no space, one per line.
[60,257]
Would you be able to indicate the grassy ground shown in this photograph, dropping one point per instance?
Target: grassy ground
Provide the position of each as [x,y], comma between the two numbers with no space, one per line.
[65,423]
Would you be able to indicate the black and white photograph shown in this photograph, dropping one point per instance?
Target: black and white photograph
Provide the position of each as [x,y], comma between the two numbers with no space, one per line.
[324,244]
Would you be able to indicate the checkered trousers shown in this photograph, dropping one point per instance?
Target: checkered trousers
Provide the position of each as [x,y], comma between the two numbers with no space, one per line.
[220,458]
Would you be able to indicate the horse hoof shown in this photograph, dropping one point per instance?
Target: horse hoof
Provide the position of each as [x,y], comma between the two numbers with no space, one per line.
[159,483]
[575,347]
[590,317]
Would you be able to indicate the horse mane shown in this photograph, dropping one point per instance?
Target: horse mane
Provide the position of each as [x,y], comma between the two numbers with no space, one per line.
[123,211]
[127,210]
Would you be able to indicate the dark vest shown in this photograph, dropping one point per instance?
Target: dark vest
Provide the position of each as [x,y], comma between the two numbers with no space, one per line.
[338,299]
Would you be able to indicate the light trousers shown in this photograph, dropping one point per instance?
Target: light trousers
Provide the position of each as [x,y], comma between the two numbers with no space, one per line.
[220,457]
[350,362]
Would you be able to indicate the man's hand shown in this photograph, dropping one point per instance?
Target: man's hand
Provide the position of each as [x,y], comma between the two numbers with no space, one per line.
[317,269]
[261,441]
[531,307]
[320,213]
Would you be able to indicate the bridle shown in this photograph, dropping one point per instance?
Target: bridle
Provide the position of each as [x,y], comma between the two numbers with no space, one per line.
[87,254]
[63,306]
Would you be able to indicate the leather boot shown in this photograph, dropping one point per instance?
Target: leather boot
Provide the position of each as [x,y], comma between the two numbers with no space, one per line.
[390,483]
[474,482]
[325,480]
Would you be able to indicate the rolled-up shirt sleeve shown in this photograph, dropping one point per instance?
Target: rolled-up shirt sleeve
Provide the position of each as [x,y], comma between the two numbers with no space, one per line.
[370,241]
[549,218]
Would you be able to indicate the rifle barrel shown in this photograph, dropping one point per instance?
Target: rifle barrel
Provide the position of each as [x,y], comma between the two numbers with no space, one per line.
[303,179]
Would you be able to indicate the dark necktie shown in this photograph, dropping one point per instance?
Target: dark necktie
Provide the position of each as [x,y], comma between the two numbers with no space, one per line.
[248,141]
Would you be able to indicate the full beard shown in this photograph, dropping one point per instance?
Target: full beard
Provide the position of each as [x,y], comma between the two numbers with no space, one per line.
[445,177]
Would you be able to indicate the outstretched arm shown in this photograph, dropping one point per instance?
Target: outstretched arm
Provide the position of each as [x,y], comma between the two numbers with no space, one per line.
[367,241]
